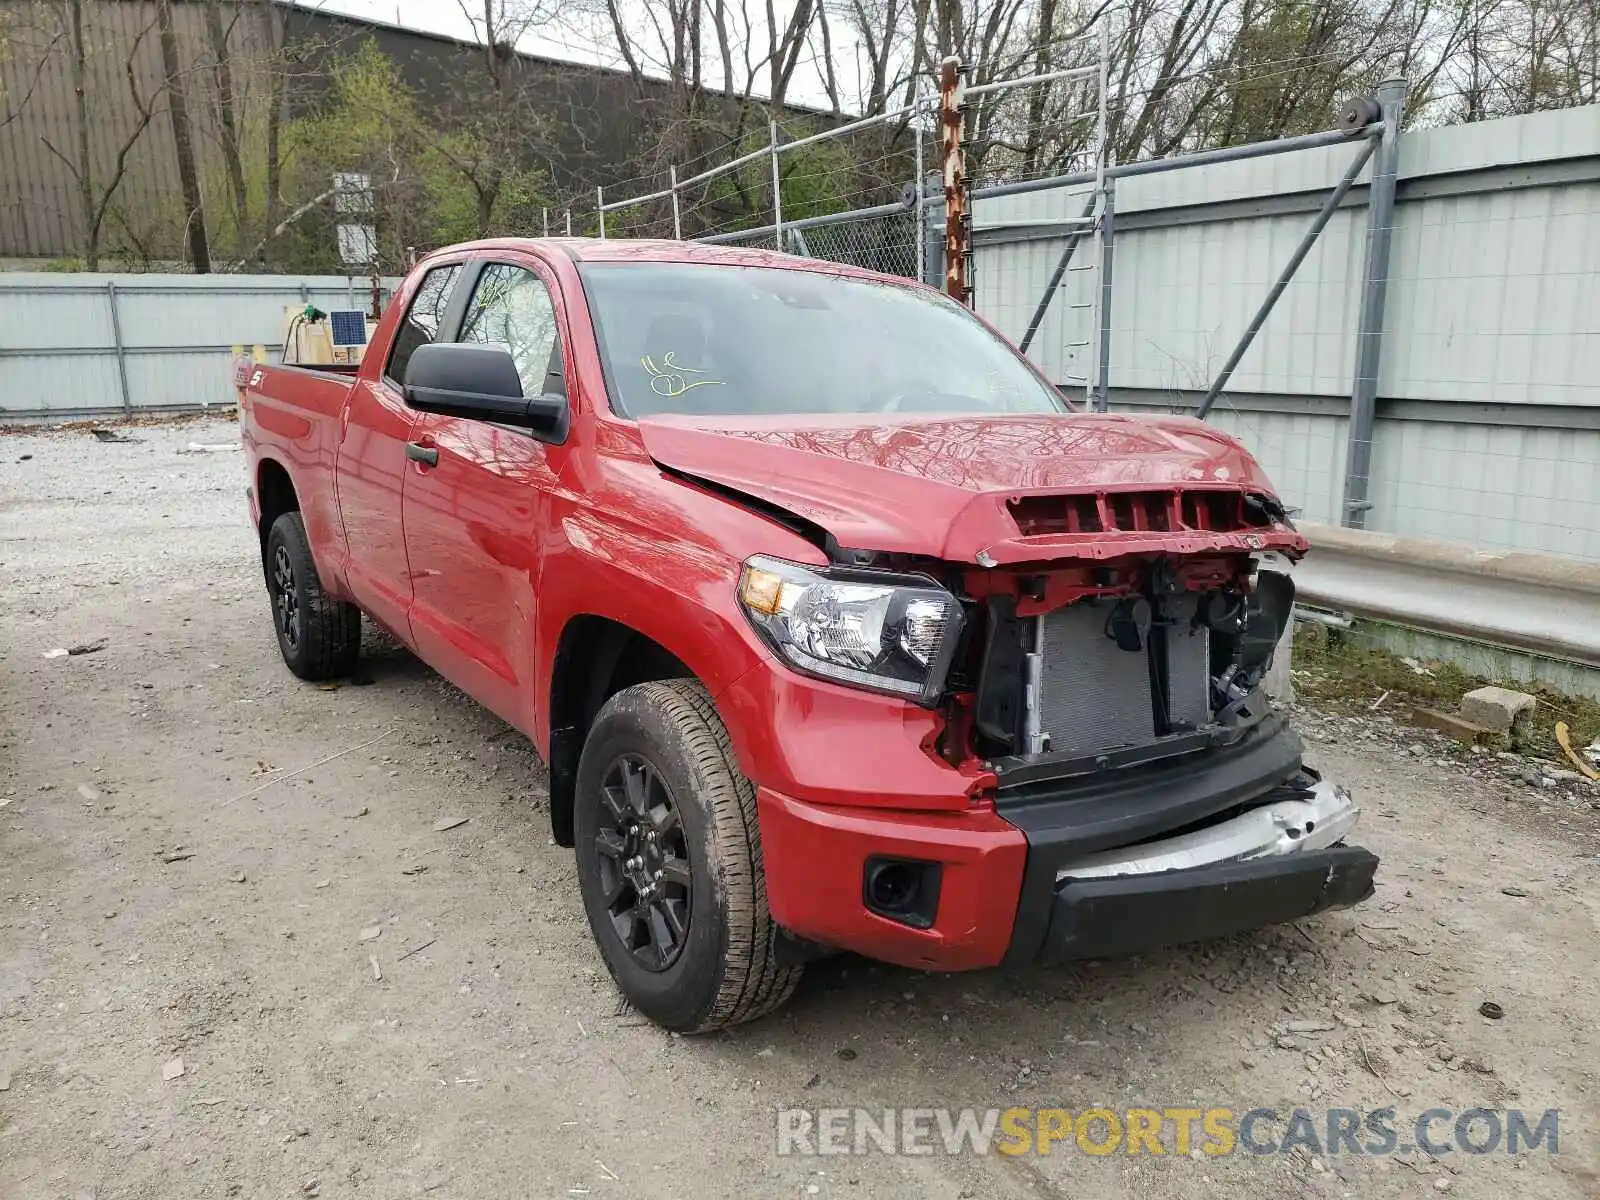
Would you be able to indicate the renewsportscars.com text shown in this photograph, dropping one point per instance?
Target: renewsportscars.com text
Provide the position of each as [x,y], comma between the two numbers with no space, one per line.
[1155,1131]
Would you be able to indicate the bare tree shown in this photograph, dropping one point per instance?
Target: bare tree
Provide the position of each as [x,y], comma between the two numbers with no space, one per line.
[183,142]
[96,191]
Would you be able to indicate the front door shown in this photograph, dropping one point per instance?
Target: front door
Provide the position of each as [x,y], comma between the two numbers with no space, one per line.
[372,461]
[473,517]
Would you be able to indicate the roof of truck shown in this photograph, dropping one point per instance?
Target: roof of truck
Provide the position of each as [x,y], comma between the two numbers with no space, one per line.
[660,250]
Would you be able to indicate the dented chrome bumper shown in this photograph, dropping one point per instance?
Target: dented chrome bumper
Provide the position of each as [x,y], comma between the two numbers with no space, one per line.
[1281,828]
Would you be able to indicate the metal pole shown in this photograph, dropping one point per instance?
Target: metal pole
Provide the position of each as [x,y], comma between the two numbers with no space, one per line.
[1178,162]
[1056,276]
[916,133]
[1103,356]
[677,218]
[1288,272]
[569,222]
[544,214]
[1369,334]
[955,183]
[777,187]
[600,210]
[931,235]
[116,341]
[1095,386]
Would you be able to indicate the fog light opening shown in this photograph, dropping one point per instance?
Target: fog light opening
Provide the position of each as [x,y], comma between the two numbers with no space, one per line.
[902,889]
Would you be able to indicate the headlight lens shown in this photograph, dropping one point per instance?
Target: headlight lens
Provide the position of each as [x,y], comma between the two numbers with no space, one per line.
[889,633]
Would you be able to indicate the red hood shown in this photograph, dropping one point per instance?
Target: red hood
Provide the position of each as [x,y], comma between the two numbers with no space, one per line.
[938,486]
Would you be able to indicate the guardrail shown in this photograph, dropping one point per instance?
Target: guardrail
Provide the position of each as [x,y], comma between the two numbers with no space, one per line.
[1537,603]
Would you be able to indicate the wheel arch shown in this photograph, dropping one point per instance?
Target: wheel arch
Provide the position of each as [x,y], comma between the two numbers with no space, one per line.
[596,657]
[275,495]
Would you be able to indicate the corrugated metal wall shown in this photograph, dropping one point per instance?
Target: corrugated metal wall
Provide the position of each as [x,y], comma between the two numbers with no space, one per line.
[1489,391]
[82,345]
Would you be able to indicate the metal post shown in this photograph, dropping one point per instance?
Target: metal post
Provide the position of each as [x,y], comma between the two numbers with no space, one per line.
[932,236]
[1369,334]
[600,210]
[777,187]
[955,182]
[569,222]
[1329,207]
[544,214]
[1103,355]
[1102,228]
[677,217]
[916,175]
[1057,275]
[116,341]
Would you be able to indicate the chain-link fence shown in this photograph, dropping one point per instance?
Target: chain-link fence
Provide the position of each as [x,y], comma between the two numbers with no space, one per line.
[876,241]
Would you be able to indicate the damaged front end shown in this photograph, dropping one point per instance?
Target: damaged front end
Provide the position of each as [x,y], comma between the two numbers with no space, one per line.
[1119,705]
[1116,701]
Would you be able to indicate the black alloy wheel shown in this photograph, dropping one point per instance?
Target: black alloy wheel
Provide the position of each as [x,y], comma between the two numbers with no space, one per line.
[285,598]
[643,861]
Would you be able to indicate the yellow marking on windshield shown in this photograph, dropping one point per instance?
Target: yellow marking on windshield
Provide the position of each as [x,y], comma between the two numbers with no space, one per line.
[671,382]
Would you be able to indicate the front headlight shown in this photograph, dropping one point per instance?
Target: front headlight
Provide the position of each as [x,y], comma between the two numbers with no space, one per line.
[889,633]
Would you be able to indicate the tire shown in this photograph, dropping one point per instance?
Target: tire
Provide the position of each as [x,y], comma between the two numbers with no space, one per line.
[318,636]
[658,759]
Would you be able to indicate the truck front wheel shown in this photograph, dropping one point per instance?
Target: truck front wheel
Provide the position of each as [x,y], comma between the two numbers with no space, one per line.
[669,862]
[318,635]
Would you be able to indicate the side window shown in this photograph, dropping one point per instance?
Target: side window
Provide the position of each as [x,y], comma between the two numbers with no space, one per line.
[423,319]
[511,307]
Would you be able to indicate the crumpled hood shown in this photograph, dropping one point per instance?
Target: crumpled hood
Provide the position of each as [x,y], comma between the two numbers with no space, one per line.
[938,486]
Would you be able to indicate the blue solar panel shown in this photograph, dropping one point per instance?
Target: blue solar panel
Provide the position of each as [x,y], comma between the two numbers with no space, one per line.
[349,328]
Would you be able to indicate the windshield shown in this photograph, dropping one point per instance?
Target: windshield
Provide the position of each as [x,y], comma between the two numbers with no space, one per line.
[727,340]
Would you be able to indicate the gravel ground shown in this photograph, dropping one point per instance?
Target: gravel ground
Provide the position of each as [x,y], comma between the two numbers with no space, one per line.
[363,1006]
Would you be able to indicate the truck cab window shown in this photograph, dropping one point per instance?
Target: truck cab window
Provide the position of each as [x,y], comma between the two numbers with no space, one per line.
[511,307]
[423,319]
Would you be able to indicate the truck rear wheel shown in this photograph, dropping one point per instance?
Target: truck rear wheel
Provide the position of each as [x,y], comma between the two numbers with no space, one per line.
[318,636]
[669,862]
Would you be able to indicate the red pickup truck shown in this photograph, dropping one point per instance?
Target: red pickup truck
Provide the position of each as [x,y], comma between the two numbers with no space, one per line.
[836,627]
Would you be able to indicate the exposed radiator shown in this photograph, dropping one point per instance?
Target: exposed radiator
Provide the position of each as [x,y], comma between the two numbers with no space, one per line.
[1095,696]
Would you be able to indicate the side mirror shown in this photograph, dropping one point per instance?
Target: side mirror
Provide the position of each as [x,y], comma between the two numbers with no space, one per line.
[480,383]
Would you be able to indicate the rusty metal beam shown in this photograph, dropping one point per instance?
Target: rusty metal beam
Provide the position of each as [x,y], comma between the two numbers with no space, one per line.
[953,166]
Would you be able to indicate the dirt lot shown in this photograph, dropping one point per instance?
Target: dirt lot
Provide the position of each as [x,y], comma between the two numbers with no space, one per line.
[169,891]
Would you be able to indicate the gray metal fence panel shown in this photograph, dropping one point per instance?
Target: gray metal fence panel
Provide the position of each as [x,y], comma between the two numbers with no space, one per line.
[79,345]
[1488,424]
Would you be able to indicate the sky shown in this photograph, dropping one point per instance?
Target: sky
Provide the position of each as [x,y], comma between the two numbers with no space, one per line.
[579,39]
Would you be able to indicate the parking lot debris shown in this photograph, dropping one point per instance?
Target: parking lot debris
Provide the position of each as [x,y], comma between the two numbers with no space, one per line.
[5,1081]
[1309,1026]
[416,949]
[1589,763]
[210,448]
[57,652]
[447,823]
[1491,1010]
[302,770]
[371,933]
[111,435]
[88,793]
[1512,890]
[93,647]
[172,1070]
[377,971]
[176,854]
[237,877]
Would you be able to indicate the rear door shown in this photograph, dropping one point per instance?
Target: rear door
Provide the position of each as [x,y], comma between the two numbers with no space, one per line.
[373,457]
[473,518]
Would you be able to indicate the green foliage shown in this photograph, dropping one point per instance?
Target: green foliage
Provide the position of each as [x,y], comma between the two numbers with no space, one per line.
[433,183]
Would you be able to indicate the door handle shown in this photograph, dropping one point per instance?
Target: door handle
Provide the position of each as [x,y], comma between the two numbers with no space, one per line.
[426,455]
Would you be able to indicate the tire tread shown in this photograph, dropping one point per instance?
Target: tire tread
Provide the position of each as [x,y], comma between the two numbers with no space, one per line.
[331,628]
[753,983]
